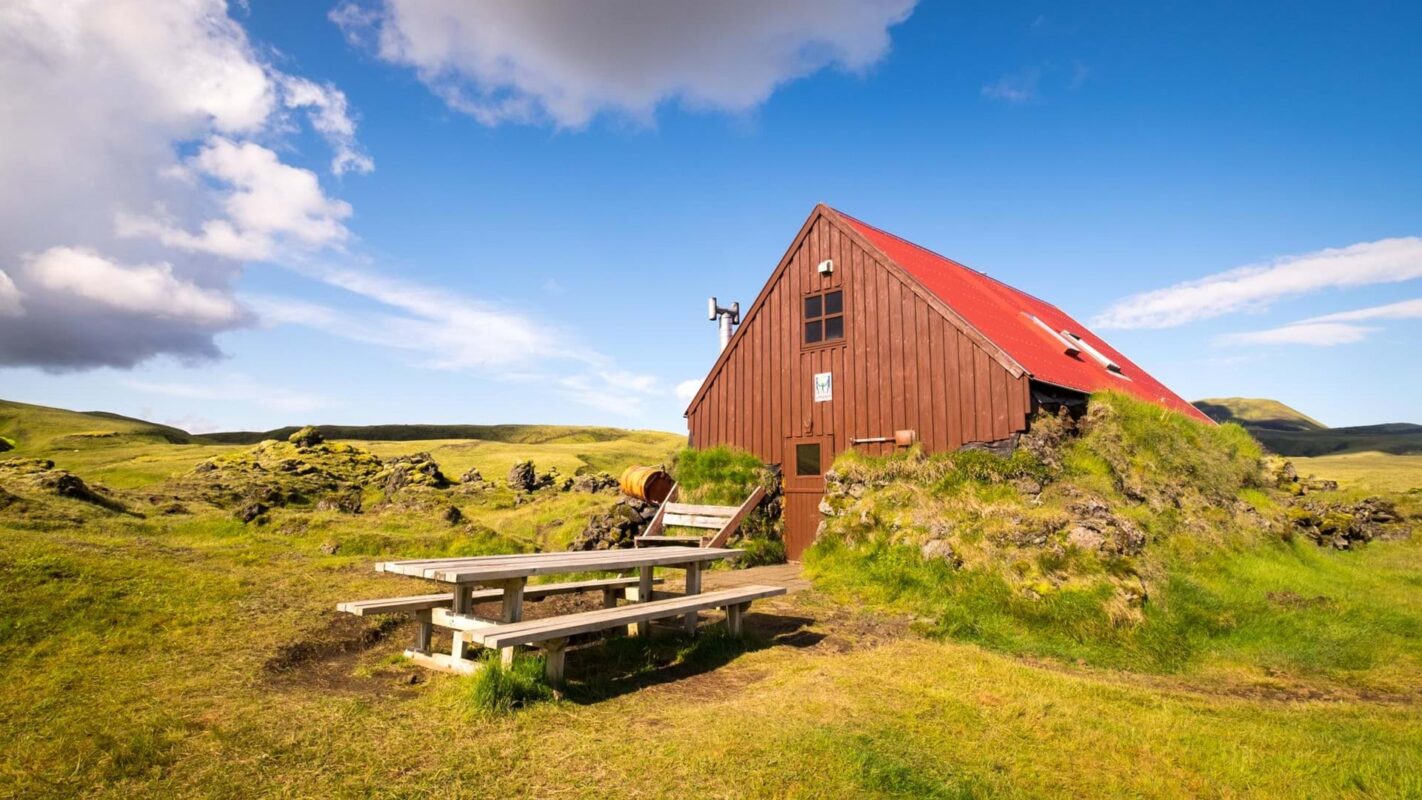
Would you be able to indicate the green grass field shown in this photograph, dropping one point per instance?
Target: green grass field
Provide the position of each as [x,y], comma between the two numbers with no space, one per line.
[1375,472]
[190,655]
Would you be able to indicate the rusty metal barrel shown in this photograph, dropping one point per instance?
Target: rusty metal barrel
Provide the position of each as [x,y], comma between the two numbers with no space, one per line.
[650,484]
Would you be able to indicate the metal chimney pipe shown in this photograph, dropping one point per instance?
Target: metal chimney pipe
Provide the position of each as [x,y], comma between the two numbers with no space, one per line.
[726,319]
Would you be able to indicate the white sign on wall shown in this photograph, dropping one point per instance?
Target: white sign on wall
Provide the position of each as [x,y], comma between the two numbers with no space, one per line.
[824,387]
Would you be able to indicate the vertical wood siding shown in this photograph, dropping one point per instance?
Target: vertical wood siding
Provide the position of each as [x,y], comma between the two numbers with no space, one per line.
[901,365]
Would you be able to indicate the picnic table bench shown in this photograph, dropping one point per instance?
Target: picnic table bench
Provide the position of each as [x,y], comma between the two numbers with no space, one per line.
[505,578]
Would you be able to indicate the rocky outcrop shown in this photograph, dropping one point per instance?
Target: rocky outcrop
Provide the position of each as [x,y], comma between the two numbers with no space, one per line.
[1286,477]
[419,469]
[523,477]
[1343,525]
[306,437]
[40,475]
[1095,527]
[281,473]
[345,502]
[593,483]
[617,527]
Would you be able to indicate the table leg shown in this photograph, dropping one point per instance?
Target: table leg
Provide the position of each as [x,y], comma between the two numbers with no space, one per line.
[735,614]
[423,630]
[644,594]
[513,612]
[461,605]
[693,586]
[554,652]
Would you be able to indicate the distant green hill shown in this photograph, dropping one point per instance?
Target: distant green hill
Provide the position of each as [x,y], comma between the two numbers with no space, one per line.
[1289,432]
[31,428]
[1258,413]
[27,427]
[513,434]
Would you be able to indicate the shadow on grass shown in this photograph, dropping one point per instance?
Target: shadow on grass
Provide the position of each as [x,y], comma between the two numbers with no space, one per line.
[604,667]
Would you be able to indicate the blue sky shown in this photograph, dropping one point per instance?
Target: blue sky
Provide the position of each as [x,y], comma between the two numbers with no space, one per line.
[440,214]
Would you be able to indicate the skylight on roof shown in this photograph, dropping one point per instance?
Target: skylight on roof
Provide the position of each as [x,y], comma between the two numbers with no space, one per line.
[1094,353]
[1068,346]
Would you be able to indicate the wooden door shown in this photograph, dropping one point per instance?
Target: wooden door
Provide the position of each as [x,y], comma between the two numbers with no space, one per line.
[806,459]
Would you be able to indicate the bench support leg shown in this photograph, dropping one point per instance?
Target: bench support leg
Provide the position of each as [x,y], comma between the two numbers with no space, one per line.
[644,594]
[423,630]
[734,616]
[460,605]
[609,598]
[554,652]
[512,612]
[693,586]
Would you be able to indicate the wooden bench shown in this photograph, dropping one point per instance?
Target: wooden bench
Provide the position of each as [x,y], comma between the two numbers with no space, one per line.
[551,634]
[723,520]
[422,606]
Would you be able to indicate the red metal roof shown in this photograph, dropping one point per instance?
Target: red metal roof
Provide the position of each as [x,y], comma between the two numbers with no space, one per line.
[996,310]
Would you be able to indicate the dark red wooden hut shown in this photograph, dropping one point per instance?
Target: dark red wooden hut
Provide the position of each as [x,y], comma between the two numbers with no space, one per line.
[862,339]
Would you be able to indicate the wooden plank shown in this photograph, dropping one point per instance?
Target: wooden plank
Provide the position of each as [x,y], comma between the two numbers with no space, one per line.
[688,541]
[734,522]
[424,630]
[444,618]
[966,391]
[898,300]
[938,387]
[854,307]
[396,605]
[709,511]
[534,631]
[999,402]
[695,521]
[735,614]
[566,561]
[554,652]
[442,662]
[916,340]
[644,595]
[655,526]
[693,587]
[953,374]
[982,395]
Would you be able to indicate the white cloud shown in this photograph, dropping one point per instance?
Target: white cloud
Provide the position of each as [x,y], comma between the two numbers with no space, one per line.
[621,393]
[450,331]
[98,99]
[1407,309]
[1329,329]
[235,387]
[330,115]
[455,332]
[144,289]
[687,389]
[1316,334]
[267,203]
[1016,87]
[10,298]
[568,60]
[1257,286]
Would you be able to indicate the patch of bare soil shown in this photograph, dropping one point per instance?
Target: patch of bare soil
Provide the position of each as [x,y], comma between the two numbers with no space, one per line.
[327,656]
[343,653]
[819,625]
[710,686]
[1279,687]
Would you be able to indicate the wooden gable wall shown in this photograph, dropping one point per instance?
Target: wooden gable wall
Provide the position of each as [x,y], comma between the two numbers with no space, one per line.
[902,364]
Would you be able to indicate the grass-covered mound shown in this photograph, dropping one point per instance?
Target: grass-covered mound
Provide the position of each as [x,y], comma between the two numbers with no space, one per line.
[725,476]
[1134,538]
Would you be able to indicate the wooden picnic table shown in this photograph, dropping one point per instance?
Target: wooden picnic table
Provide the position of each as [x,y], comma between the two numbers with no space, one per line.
[510,574]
